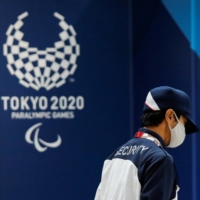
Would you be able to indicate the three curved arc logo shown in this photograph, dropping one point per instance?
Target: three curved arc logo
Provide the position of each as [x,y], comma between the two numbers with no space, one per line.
[37,141]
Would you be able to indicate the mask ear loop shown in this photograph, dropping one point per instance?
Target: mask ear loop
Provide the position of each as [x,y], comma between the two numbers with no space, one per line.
[176,120]
[176,117]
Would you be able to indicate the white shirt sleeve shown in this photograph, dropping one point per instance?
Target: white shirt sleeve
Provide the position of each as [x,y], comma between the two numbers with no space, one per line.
[97,196]
[177,189]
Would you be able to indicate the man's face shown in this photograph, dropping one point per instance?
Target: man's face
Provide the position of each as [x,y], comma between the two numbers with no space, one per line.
[183,119]
[174,122]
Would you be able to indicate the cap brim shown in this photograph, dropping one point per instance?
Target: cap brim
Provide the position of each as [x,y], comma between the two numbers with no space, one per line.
[190,126]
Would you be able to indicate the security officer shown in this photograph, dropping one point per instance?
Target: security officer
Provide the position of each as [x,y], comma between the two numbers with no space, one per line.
[141,169]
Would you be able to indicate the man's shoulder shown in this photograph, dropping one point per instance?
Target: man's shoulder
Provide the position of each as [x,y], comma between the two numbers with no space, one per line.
[156,150]
[141,147]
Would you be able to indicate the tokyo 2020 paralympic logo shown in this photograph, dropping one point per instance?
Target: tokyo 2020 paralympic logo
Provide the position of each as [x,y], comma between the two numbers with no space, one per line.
[36,69]
[40,68]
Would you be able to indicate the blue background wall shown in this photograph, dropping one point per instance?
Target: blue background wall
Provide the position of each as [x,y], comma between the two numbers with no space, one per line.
[102,79]
[126,48]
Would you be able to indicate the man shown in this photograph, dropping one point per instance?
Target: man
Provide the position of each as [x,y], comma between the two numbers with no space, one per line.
[141,169]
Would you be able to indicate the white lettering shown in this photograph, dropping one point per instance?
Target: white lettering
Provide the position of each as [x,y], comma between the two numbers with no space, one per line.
[119,152]
[55,102]
[63,115]
[27,103]
[5,102]
[137,149]
[123,152]
[24,104]
[14,103]
[133,149]
[43,103]
[127,150]
[31,115]
[80,102]
[130,150]
[34,102]
[71,100]
[144,148]
[63,102]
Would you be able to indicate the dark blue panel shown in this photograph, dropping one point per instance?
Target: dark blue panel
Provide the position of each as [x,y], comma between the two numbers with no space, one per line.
[90,133]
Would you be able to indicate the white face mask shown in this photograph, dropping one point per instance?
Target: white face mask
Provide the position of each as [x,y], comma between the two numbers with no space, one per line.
[177,134]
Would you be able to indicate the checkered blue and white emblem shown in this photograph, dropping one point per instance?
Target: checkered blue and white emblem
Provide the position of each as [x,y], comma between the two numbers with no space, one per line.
[47,68]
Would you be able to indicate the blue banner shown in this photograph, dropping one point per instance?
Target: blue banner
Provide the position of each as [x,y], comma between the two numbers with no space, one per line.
[65,95]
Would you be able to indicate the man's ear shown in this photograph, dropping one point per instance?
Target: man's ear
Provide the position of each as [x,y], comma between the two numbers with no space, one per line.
[169,115]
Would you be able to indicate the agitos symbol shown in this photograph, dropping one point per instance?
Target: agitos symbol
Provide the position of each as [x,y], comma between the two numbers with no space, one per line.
[47,68]
[37,141]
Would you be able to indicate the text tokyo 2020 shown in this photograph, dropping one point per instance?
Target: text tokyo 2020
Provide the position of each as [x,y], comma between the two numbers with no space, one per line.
[28,103]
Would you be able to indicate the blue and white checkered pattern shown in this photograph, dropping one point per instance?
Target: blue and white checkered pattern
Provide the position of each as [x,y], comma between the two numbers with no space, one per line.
[41,68]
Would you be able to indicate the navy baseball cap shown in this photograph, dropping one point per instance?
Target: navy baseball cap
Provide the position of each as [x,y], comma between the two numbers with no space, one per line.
[164,97]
